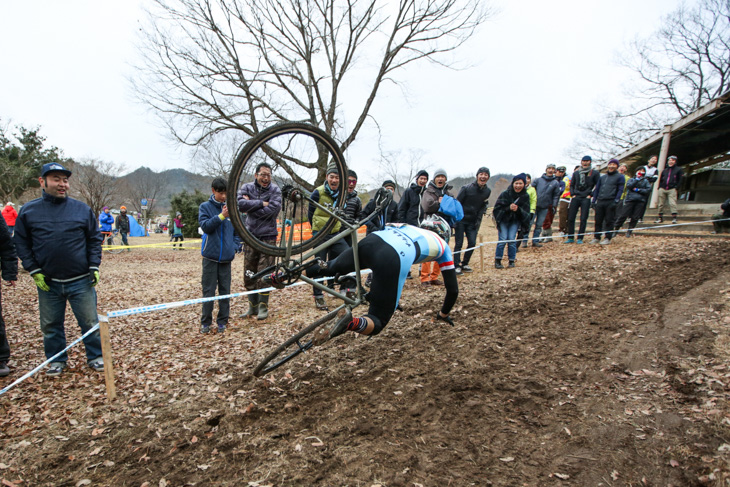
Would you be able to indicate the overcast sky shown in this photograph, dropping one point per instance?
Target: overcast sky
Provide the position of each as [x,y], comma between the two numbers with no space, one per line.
[539,68]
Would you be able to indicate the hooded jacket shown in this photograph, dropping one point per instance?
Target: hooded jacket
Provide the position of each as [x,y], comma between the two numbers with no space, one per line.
[59,237]
[671,177]
[548,191]
[409,208]
[106,220]
[578,190]
[8,257]
[610,186]
[353,207]
[474,199]
[637,189]
[10,215]
[390,215]
[260,219]
[502,212]
[430,203]
[220,241]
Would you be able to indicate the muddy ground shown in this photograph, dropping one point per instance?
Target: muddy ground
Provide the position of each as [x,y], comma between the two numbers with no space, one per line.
[585,365]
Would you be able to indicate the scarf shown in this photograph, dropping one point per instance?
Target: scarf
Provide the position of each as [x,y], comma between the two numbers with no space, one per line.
[582,173]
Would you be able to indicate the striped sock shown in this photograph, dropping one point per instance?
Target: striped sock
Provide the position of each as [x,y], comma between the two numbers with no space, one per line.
[357,325]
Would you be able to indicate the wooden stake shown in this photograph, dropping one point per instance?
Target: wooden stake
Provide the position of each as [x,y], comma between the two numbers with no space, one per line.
[481,251]
[106,353]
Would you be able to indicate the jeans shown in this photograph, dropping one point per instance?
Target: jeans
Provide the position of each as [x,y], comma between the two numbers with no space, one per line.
[4,345]
[507,231]
[471,230]
[124,238]
[52,308]
[216,274]
[583,204]
[540,215]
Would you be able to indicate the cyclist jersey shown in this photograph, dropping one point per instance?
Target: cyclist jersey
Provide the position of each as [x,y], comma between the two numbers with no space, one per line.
[428,246]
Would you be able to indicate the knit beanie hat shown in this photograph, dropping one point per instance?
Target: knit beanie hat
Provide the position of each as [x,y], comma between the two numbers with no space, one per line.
[332,168]
[440,172]
[388,182]
[521,176]
[421,173]
[483,169]
[613,161]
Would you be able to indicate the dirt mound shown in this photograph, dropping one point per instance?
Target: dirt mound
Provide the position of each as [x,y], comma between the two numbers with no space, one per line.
[608,366]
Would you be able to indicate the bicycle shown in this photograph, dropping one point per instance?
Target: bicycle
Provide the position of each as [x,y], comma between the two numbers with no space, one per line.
[111,246]
[297,152]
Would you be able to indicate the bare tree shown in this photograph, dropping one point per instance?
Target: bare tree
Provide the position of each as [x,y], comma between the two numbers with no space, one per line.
[215,65]
[401,167]
[147,184]
[214,156]
[95,182]
[679,68]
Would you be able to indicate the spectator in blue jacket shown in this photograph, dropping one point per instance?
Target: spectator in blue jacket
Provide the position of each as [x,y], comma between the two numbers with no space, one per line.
[9,263]
[548,191]
[638,189]
[59,244]
[219,247]
[474,198]
[106,220]
[260,200]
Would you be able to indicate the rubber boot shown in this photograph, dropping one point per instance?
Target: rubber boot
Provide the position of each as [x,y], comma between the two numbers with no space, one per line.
[253,306]
[263,306]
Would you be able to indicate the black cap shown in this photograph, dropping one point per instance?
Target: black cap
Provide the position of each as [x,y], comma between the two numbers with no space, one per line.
[483,169]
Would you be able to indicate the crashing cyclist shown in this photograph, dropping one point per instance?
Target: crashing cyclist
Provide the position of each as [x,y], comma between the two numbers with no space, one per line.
[390,253]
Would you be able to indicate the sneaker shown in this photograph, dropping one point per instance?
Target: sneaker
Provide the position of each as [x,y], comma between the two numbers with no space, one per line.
[409,276]
[97,365]
[466,268]
[674,221]
[221,328]
[536,244]
[498,265]
[640,220]
[4,370]
[605,241]
[320,303]
[595,241]
[659,220]
[511,264]
[570,240]
[628,234]
[524,245]
[55,369]
[579,241]
[458,271]
[205,329]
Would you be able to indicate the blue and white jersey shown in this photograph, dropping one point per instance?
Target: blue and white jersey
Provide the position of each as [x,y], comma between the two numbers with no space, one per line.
[416,245]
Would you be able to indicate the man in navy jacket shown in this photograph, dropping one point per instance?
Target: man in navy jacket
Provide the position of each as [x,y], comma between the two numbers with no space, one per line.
[59,244]
[220,244]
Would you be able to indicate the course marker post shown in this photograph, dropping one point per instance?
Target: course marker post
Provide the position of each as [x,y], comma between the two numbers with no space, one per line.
[481,250]
[106,354]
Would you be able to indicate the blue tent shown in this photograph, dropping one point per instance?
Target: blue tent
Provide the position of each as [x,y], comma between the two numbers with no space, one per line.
[135,229]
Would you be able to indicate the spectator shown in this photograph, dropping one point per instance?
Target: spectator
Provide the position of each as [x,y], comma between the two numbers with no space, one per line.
[387,215]
[260,200]
[409,208]
[430,204]
[474,198]
[623,170]
[669,183]
[511,211]
[638,189]
[219,247]
[721,221]
[564,201]
[10,215]
[547,188]
[651,176]
[122,224]
[326,194]
[59,244]
[9,264]
[547,225]
[524,231]
[582,183]
[606,197]
[177,234]
[106,221]
[353,204]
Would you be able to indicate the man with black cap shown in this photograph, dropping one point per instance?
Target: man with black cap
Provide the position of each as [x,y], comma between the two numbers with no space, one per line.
[326,194]
[606,198]
[386,215]
[669,183]
[474,198]
[59,243]
[582,183]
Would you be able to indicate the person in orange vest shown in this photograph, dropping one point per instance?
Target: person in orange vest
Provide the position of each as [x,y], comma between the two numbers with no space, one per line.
[10,215]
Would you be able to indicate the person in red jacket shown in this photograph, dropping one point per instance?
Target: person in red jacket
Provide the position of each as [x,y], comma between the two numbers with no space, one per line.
[10,215]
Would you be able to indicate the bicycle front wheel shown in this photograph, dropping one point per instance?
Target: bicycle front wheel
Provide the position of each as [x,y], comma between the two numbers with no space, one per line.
[112,246]
[299,154]
[301,342]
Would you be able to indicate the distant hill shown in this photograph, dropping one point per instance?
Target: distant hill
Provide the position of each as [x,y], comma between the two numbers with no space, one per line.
[171,182]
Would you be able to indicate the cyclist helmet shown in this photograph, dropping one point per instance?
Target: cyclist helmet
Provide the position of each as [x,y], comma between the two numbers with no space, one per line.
[437,225]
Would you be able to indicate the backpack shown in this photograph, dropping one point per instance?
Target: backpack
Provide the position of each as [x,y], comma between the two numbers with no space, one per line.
[451,209]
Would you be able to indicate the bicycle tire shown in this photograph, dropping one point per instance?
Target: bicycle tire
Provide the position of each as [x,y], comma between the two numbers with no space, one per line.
[110,243]
[244,160]
[263,368]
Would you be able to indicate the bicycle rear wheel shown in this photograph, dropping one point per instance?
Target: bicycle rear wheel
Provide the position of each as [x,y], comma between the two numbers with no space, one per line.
[301,342]
[112,244]
[299,154]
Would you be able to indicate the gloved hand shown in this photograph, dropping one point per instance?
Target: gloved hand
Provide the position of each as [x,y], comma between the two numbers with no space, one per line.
[593,206]
[40,281]
[446,319]
[94,278]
